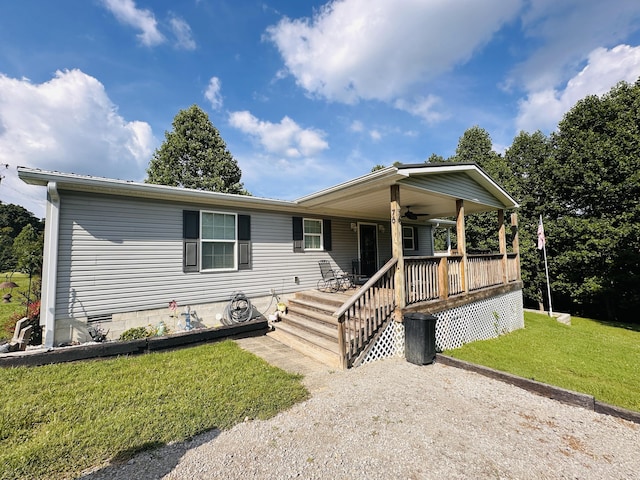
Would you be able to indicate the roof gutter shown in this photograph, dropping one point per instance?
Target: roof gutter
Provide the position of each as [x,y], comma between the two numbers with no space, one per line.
[388,175]
[65,181]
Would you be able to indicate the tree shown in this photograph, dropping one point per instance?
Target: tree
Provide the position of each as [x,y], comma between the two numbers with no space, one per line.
[475,146]
[13,219]
[28,248]
[526,159]
[194,155]
[593,196]
[434,158]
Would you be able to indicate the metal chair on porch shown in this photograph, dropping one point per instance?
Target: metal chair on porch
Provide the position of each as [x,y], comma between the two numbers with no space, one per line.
[332,280]
[356,272]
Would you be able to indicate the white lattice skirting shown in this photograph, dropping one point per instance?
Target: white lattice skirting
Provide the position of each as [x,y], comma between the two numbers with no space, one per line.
[479,320]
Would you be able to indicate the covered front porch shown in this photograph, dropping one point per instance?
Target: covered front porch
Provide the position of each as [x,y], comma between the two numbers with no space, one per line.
[455,281]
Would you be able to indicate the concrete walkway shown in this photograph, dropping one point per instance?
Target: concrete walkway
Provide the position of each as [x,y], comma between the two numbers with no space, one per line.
[288,359]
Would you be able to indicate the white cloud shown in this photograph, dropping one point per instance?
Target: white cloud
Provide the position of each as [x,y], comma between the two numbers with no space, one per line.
[375,135]
[356,126]
[544,108]
[126,12]
[565,31]
[182,32]
[213,93]
[423,107]
[377,49]
[285,138]
[67,124]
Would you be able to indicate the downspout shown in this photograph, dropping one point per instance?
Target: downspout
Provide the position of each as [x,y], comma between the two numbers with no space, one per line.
[50,265]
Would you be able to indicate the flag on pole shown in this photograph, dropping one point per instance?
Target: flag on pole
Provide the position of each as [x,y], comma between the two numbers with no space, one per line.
[541,239]
[542,242]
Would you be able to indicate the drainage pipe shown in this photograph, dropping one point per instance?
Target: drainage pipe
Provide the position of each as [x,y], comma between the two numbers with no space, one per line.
[50,265]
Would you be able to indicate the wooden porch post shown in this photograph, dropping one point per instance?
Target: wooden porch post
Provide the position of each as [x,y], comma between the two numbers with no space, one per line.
[462,243]
[397,252]
[516,242]
[502,240]
[443,278]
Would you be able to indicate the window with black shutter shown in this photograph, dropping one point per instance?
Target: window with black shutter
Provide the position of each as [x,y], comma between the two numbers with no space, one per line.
[210,240]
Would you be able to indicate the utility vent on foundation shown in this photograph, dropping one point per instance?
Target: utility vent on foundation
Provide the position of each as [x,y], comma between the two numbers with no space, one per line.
[99,318]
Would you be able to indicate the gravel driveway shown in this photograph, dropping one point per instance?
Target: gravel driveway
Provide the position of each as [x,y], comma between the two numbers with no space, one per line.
[395,420]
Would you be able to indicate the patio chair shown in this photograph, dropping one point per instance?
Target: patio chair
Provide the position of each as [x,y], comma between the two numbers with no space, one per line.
[358,278]
[332,280]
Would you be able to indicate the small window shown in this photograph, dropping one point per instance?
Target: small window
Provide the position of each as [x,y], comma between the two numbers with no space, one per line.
[408,238]
[218,241]
[312,234]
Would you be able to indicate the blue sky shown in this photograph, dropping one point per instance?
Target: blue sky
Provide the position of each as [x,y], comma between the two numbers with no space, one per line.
[305,94]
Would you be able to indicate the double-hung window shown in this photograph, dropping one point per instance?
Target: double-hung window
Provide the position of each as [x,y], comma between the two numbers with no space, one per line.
[408,238]
[218,241]
[312,234]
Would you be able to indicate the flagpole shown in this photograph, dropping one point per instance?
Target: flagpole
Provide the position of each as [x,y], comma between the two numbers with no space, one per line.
[546,270]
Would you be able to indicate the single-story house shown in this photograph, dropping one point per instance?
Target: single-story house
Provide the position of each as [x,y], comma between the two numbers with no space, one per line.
[118,252]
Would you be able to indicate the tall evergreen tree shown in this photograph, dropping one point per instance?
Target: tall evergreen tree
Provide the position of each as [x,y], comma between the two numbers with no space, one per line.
[194,155]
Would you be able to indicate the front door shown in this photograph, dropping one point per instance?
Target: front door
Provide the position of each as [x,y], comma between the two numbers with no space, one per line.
[368,249]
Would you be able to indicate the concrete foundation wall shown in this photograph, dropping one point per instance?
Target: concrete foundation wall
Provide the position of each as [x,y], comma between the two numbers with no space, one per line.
[74,330]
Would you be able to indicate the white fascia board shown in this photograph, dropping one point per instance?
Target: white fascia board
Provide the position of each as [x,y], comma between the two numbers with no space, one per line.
[384,176]
[68,181]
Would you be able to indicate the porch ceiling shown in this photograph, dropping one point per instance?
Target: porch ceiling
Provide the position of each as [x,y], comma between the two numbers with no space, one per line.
[369,196]
[375,204]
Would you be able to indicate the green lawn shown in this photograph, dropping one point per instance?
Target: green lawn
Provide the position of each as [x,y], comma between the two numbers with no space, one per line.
[591,357]
[58,420]
[16,304]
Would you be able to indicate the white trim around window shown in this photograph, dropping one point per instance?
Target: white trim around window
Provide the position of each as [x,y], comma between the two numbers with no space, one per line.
[218,241]
[312,233]
[408,238]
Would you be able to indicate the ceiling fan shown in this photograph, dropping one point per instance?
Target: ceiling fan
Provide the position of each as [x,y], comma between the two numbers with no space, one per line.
[412,215]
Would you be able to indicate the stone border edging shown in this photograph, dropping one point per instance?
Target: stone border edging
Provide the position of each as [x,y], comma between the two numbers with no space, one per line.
[36,358]
[555,393]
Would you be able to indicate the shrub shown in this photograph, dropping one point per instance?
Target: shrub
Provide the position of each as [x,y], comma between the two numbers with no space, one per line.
[134,333]
[145,332]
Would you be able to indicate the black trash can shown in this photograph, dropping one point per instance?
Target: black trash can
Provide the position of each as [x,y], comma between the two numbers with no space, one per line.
[420,338]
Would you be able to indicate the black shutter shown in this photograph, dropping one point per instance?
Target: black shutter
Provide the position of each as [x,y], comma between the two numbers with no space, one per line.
[298,234]
[244,227]
[326,234]
[244,242]
[191,235]
[415,239]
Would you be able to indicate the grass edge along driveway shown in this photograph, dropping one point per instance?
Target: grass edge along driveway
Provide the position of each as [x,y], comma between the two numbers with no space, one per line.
[58,420]
[601,359]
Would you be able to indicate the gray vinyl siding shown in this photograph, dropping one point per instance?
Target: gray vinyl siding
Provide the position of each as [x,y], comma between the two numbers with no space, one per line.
[456,185]
[121,255]
[425,242]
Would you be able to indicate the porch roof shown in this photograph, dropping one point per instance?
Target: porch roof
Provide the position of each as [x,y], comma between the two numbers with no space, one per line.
[428,188]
